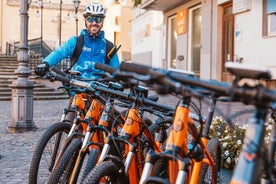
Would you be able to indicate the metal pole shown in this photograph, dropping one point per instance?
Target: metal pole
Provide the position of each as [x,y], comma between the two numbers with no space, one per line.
[22,88]
[60,19]
[76,14]
[76,5]
[41,28]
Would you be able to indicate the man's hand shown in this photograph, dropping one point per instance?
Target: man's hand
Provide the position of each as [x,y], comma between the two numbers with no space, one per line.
[42,69]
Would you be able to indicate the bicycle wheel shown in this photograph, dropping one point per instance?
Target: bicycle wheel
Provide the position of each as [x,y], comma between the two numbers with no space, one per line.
[160,168]
[272,155]
[106,172]
[64,167]
[214,149]
[46,152]
[90,164]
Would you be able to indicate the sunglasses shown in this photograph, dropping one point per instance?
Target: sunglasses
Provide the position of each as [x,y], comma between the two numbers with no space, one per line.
[96,19]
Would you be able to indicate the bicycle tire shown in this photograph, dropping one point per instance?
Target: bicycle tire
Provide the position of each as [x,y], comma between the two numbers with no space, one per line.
[272,155]
[214,149]
[161,165]
[160,168]
[66,163]
[157,180]
[78,169]
[41,152]
[90,164]
[109,171]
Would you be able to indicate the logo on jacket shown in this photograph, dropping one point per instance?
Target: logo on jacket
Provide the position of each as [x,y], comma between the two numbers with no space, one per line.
[86,49]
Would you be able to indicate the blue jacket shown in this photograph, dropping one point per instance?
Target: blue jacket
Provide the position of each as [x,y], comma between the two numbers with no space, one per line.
[94,50]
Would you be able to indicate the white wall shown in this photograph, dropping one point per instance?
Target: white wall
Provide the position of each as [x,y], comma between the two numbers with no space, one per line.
[146,31]
[251,45]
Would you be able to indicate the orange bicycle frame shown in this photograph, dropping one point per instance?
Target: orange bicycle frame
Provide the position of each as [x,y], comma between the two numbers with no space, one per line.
[93,115]
[178,143]
[133,128]
[178,138]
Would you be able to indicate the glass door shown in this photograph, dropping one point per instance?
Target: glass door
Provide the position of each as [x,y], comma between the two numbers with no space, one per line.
[194,41]
[172,37]
[228,35]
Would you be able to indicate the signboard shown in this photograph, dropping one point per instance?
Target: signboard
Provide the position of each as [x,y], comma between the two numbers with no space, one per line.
[241,6]
[181,21]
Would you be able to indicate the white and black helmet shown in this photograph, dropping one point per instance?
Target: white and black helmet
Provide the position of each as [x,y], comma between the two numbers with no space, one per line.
[94,9]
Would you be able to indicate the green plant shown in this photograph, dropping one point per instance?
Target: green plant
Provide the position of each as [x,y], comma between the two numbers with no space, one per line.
[231,139]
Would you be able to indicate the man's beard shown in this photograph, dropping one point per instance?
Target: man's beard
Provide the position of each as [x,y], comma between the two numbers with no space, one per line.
[94,29]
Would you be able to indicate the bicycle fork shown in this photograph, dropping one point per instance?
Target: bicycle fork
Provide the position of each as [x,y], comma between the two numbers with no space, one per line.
[176,145]
[91,119]
[249,163]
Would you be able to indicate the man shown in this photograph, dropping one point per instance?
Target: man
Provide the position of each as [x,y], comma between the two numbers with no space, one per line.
[93,50]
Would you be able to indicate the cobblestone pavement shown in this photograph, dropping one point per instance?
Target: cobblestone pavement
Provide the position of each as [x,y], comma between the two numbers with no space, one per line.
[16,149]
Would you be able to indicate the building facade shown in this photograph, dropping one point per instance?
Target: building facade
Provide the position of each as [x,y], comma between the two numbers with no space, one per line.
[55,21]
[201,35]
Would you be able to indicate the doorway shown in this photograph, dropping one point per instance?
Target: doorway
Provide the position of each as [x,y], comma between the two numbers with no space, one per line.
[227,39]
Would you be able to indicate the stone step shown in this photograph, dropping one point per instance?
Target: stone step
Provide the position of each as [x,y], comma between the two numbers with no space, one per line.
[5,77]
[39,89]
[48,97]
[5,72]
[10,59]
[38,92]
[7,68]
[8,65]
[43,89]
[5,83]
[36,86]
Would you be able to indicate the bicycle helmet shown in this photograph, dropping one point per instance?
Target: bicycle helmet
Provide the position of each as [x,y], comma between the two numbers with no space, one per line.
[94,9]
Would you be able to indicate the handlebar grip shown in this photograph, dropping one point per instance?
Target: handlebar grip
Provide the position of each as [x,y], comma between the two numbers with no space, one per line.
[54,69]
[63,79]
[57,77]
[104,67]
[133,67]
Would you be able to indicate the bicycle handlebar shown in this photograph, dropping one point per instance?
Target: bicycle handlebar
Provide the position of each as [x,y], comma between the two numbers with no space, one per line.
[133,67]
[59,72]
[178,81]
[96,86]
[104,67]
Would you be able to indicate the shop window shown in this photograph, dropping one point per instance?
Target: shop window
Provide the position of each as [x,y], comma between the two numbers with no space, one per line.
[172,37]
[194,40]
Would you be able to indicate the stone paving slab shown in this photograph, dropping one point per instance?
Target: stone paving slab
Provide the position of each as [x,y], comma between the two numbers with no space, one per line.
[16,149]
